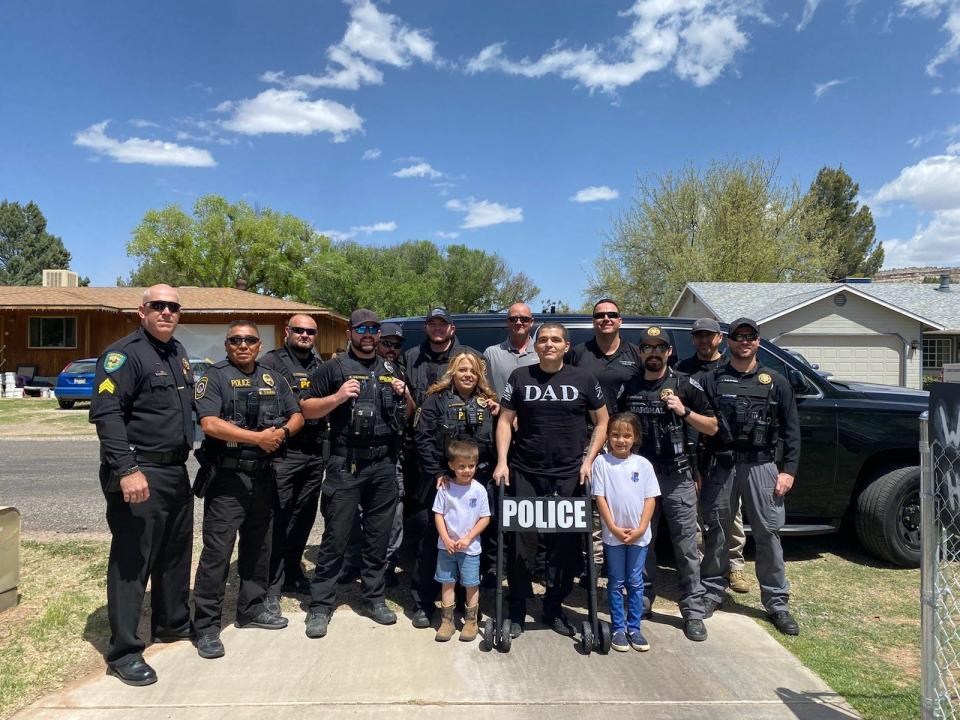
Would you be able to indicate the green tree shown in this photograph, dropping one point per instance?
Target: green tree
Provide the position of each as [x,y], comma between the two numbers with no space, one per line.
[733,222]
[26,248]
[850,234]
[221,243]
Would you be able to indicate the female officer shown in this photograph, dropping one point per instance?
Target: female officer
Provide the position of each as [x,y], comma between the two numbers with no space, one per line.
[461,405]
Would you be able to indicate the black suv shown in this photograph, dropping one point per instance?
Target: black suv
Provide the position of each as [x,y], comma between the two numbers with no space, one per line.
[860,457]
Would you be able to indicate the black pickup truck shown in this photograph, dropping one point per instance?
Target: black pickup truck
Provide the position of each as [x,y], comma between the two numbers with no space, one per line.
[860,459]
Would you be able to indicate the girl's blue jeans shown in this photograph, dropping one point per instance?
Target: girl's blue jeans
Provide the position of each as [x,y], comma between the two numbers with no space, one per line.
[625,570]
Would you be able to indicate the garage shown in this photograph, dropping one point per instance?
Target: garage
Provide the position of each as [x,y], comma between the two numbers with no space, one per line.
[864,358]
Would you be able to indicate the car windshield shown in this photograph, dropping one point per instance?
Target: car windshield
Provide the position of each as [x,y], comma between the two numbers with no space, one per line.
[81,367]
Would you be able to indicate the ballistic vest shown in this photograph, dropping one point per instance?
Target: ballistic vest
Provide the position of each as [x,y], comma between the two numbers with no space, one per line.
[298,378]
[250,402]
[662,432]
[469,420]
[376,416]
[747,409]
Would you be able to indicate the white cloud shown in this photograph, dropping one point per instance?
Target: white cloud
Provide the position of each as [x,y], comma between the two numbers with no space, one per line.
[820,89]
[138,150]
[141,123]
[341,235]
[447,235]
[934,9]
[809,8]
[595,193]
[931,184]
[937,243]
[372,37]
[289,111]
[481,213]
[422,169]
[700,38]
[371,154]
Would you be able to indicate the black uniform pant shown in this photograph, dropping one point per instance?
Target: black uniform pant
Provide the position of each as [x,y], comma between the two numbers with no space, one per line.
[370,485]
[298,477]
[236,502]
[678,503]
[562,549]
[152,539]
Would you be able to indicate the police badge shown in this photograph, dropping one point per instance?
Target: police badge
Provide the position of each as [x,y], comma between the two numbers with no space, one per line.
[665,393]
[653,332]
[764,379]
[268,379]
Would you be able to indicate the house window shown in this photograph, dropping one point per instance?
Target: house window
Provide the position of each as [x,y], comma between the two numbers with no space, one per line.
[53,332]
[937,351]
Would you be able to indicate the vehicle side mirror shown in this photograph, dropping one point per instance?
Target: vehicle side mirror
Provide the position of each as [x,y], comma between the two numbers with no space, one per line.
[798,381]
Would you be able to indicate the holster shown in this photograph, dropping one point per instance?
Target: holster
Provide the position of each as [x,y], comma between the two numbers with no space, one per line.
[206,473]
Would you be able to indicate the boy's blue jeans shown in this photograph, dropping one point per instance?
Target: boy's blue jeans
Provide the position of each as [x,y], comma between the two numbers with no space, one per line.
[625,569]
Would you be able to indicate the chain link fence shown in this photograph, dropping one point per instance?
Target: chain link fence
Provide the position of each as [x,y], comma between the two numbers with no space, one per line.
[940,567]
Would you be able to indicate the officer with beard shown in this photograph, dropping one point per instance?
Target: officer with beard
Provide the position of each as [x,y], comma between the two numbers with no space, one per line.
[667,405]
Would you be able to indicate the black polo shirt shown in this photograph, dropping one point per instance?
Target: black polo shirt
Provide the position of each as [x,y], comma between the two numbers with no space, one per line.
[613,372]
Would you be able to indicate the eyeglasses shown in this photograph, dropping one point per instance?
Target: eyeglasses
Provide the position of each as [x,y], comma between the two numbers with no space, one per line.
[520,319]
[161,305]
[741,337]
[659,348]
[367,329]
[238,340]
[301,331]
[602,315]
[391,344]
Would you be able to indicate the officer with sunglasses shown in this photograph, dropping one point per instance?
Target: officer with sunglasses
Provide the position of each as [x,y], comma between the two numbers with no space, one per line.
[142,406]
[756,461]
[298,470]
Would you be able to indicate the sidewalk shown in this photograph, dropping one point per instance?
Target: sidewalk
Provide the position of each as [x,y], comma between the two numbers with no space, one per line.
[364,670]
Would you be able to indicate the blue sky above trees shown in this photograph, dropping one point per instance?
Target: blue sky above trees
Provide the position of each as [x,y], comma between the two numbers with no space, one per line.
[514,127]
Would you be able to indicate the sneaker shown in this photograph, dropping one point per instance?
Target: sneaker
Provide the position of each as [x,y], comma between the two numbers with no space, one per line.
[380,613]
[560,624]
[739,582]
[271,604]
[264,620]
[709,607]
[209,646]
[785,623]
[638,642]
[619,641]
[695,630]
[317,622]
[421,619]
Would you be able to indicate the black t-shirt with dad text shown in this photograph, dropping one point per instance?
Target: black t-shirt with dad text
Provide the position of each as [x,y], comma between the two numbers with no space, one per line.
[551,417]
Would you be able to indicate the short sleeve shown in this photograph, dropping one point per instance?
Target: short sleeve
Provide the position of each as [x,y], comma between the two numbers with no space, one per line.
[208,394]
[439,502]
[651,486]
[599,476]
[595,399]
[321,381]
[508,397]
[483,501]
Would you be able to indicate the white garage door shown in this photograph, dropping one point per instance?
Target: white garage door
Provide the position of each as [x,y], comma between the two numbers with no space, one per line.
[206,341]
[865,358]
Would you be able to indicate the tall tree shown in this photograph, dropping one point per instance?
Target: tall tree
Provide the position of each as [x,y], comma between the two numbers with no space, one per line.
[733,222]
[26,248]
[849,239]
[221,243]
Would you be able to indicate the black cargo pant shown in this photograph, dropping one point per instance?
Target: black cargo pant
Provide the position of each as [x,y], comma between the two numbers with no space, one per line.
[372,486]
[678,503]
[298,477]
[152,539]
[562,549]
[237,502]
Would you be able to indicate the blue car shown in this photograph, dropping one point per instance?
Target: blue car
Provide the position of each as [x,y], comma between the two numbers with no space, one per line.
[75,382]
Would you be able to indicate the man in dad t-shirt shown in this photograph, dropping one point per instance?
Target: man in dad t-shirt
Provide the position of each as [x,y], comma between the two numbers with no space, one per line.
[550,403]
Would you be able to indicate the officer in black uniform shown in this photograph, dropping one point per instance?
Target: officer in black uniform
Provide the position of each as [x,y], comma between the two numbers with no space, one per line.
[246,412]
[142,405]
[460,406]
[668,405]
[757,414]
[298,470]
[607,356]
[365,402]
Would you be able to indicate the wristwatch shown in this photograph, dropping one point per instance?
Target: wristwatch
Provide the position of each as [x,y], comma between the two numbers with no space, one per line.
[686,413]
[286,432]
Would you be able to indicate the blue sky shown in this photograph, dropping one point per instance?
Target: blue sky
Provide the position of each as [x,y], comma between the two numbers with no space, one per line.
[515,126]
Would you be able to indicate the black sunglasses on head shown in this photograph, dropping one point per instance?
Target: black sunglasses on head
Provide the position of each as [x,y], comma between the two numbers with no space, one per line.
[238,340]
[602,315]
[161,305]
[301,330]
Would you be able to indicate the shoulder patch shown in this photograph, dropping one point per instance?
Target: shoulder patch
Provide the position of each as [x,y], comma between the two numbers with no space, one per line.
[764,378]
[107,386]
[268,379]
[201,388]
[113,361]
[695,383]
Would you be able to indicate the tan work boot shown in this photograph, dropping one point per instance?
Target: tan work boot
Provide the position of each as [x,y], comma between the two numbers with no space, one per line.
[470,629]
[739,582]
[446,624]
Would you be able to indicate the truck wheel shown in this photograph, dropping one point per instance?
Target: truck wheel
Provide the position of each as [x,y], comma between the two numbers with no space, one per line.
[65,404]
[888,517]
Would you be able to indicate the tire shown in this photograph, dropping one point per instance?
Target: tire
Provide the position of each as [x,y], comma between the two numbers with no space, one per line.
[65,404]
[505,639]
[606,637]
[486,643]
[888,517]
[586,638]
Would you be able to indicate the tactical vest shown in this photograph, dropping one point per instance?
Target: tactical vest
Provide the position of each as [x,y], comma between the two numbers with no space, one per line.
[251,402]
[469,420]
[299,379]
[375,416]
[662,432]
[747,410]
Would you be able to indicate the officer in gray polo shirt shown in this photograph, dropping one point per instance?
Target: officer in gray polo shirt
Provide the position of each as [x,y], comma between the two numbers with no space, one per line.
[516,351]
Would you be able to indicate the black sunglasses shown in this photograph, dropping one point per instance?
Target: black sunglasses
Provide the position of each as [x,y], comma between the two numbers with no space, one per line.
[522,319]
[161,305]
[301,330]
[740,337]
[367,329]
[238,340]
[658,348]
[602,315]
[391,344]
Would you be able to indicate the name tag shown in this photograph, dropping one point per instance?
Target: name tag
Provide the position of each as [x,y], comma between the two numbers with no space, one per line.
[545,514]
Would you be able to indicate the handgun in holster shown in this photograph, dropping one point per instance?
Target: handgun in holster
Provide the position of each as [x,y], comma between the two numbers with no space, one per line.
[206,473]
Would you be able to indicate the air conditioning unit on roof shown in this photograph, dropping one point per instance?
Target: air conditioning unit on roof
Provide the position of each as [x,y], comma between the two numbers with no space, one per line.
[59,278]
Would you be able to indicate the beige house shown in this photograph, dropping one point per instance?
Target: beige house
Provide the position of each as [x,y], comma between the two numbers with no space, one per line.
[889,333]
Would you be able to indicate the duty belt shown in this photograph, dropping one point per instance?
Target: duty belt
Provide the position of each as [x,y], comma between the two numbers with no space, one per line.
[356,453]
[234,463]
[753,456]
[671,467]
[177,457]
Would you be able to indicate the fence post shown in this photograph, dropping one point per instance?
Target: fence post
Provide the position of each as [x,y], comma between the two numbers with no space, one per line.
[928,576]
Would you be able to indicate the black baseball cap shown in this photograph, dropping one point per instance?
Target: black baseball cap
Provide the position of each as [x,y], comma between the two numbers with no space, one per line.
[705,325]
[439,312]
[744,322]
[391,329]
[654,334]
[362,316]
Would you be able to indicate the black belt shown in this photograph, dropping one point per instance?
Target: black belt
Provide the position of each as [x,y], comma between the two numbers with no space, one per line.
[753,456]
[669,467]
[234,463]
[375,453]
[178,457]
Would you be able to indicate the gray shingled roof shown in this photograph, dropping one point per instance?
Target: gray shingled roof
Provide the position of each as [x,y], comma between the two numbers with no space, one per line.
[761,300]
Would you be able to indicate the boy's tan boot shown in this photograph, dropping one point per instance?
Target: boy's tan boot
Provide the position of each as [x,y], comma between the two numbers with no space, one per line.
[446,624]
[470,629]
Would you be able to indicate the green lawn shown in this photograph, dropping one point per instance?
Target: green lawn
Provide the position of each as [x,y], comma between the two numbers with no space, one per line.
[31,417]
